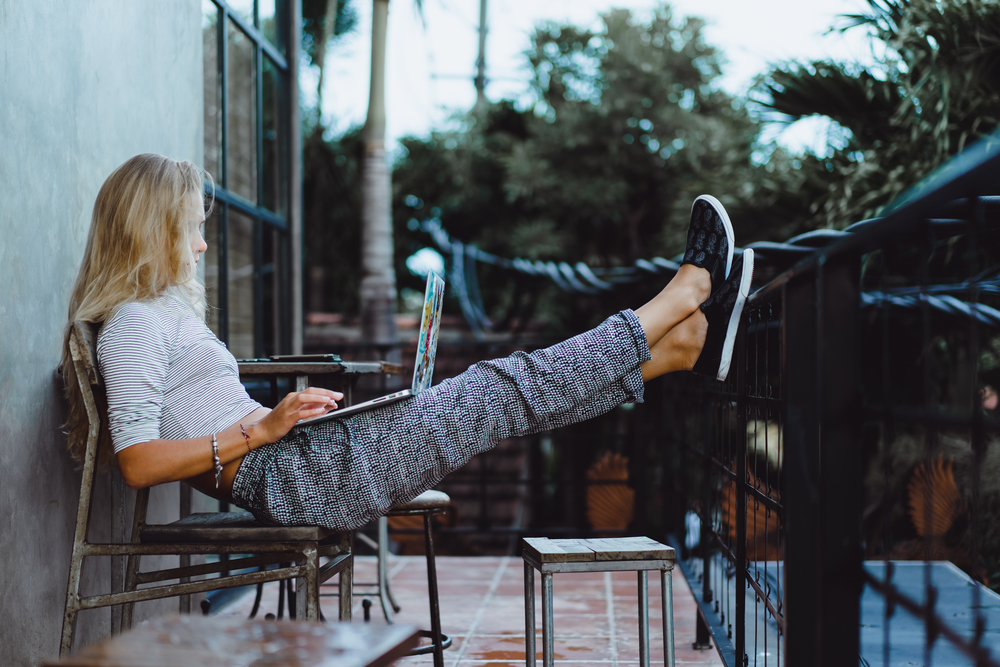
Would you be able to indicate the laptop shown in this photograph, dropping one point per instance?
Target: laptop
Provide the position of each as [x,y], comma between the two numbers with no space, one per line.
[423,369]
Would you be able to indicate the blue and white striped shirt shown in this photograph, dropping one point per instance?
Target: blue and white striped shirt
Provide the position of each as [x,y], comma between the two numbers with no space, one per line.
[167,375]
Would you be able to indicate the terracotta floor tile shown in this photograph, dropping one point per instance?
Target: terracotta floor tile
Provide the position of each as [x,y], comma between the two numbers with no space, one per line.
[484,612]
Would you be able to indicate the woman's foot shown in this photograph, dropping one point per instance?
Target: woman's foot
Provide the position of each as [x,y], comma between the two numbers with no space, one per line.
[682,296]
[679,349]
[723,311]
[710,239]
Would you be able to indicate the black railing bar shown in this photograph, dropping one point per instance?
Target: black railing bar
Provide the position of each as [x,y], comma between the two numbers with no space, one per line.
[507,530]
[936,418]
[765,500]
[983,287]
[778,618]
[249,208]
[726,551]
[764,401]
[763,326]
[500,481]
[255,35]
[972,169]
[727,471]
[932,621]
[724,647]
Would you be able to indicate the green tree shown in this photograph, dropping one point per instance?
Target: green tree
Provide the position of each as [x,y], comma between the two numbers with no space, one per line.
[625,129]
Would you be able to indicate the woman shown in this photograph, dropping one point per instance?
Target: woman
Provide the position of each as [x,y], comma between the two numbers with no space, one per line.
[177,411]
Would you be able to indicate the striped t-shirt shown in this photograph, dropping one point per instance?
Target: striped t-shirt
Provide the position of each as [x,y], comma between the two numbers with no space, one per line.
[167,375]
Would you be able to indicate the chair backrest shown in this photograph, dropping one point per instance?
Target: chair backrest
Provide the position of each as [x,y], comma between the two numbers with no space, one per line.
[83,349]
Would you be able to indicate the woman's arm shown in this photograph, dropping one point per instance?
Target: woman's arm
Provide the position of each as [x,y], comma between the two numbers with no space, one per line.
[159,461]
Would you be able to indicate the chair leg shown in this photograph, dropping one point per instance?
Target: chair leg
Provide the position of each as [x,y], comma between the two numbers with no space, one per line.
[346,589]
[256,600]
[382,580]
[307,587]
[72,603]
[131,572]
[432,589]
[385,584]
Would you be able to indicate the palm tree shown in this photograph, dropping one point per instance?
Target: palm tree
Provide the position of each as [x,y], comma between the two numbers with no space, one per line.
[378,281]
[935,90]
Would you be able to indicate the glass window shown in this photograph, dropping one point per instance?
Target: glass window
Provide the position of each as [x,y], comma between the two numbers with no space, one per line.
[275,193]
[211,261]
[241,113]
[243,8]
[213,89]
[241,279]
[270,24]
[247,115]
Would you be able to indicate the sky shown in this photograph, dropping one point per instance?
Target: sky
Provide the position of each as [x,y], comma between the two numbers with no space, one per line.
[430,63]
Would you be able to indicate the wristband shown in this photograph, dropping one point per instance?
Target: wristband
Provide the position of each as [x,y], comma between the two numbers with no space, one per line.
[216,462]
[246,437]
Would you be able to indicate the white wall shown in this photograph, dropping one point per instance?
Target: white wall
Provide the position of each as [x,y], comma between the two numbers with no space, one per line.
[83,87]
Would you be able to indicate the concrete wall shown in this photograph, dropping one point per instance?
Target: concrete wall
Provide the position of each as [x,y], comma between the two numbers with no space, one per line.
[83,87]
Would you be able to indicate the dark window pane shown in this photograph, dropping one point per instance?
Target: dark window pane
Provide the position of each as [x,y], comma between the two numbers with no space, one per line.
[275,195]
[212,89]
[211,261]
[271,272]
[271,13]
[241,289]
[242,115]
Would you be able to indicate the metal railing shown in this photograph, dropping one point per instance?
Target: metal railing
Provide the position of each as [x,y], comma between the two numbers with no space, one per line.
[855,407]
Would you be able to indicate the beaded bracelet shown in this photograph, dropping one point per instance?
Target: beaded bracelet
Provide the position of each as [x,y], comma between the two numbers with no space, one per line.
[216,462]
[246,437]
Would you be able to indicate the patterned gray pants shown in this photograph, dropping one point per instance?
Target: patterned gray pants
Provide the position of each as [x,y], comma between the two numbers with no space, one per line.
[343,473]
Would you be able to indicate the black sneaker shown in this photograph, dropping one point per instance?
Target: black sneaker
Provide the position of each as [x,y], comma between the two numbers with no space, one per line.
[723,310]
[710,239]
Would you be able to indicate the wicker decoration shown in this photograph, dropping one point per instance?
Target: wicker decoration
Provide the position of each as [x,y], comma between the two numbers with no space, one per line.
[610,506]
[933,488]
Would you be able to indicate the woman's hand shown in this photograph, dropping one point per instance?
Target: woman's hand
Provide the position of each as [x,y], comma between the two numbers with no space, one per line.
[295,406]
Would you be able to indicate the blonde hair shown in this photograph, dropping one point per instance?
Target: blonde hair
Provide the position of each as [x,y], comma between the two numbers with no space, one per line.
[139,248]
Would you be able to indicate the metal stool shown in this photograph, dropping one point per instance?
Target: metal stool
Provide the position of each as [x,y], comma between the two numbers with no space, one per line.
[620,554]
[426,504]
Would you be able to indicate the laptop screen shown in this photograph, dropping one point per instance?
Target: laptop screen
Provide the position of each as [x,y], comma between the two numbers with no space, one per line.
[430,325]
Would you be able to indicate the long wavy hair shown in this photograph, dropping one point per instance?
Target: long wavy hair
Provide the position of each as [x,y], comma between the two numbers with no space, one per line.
[139,248]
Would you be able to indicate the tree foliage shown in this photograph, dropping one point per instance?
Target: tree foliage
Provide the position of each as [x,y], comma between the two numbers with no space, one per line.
[624,129]
[935,89]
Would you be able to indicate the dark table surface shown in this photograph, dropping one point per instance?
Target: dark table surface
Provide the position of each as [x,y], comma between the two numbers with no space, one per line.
[217,641]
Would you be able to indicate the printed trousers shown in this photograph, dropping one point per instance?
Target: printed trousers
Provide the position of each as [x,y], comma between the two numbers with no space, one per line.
[342,473]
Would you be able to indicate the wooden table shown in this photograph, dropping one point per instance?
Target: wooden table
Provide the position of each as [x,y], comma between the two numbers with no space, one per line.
[225,641]
[347,372]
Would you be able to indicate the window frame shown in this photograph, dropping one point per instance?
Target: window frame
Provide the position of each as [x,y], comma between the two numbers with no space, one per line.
[283,224]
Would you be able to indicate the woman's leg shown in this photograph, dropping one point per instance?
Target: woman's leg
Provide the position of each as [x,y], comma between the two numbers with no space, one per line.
[344,473]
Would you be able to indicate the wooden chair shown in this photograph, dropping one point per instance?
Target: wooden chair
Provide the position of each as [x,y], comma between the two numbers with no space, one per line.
[225,533]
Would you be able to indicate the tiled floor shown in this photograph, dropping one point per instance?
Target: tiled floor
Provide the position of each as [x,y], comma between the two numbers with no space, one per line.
[482,608]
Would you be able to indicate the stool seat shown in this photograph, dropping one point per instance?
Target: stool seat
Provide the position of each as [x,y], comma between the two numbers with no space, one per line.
[543,550]
[427,500]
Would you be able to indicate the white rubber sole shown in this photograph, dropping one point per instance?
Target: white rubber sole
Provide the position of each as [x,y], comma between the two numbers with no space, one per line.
[721,210]
[734,317]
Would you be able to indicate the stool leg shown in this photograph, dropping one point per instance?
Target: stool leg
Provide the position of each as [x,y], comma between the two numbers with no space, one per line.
[383,560]
[432,586]
[667,593]
[529,615]
[548,631]
[643,618]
